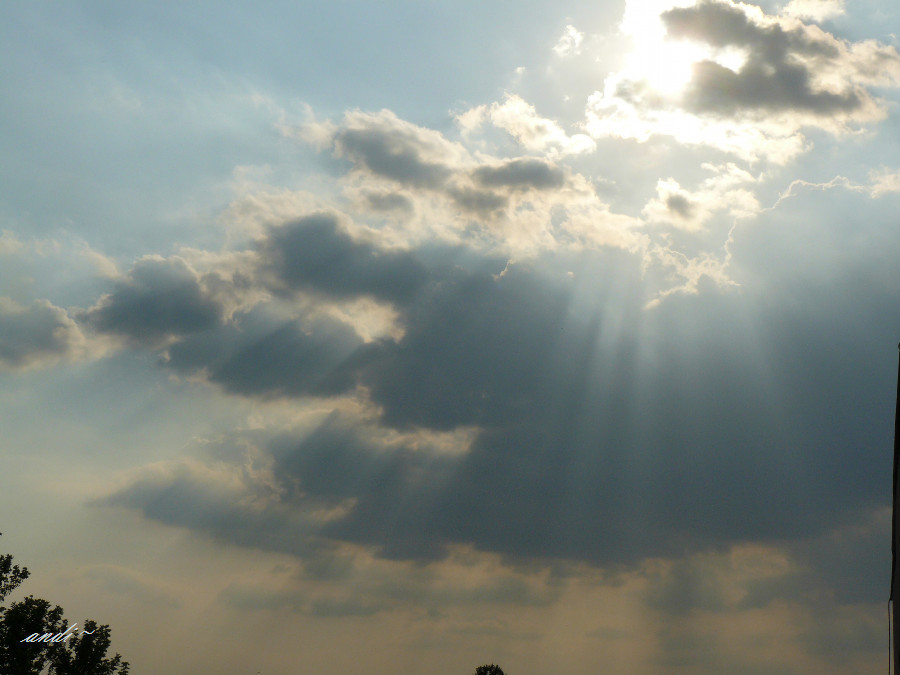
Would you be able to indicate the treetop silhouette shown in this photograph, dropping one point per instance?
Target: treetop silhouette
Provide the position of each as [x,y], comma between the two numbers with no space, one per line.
[35,638]
[489,670]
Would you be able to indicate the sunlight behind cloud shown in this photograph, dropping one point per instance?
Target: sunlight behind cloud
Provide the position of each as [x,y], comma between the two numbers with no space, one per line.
[662,63]
[729,76]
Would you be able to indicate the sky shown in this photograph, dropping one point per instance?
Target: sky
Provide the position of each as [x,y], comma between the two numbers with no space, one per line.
[412,336]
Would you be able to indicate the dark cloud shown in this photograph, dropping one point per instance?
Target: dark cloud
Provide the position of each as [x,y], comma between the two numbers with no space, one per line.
[193,496]
[847,565]
[390,201]
[394,149]
[158,299]
[585,450]
[465,349]
[330,463]
[773,77]
[680,205]
[382,145]
[482,202]
[338,462]
[263,355]
[521,173]
[34,335]
[314,253]
[602,432]
[765,86]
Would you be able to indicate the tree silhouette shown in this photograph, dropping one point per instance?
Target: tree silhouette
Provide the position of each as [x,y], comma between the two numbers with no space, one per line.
[488,670]
[35,637]
[85,654]
[10,576]
[30,616]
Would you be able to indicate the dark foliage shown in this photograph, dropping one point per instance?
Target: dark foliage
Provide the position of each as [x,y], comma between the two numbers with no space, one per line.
[83,652]
[10,576]
[489,670]
[86,654]
[21,619]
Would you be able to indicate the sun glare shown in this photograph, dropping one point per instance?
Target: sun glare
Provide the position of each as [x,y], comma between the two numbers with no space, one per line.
[666,65]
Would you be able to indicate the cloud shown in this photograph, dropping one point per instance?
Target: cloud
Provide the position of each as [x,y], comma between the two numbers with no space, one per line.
[397,150]
[471,334]
[313,310]
[388,201]
[9,243]
[239,507]
[725,191]
[884,182]
[482,203]
[569,42]
[578,453]
[158,299]
[36,336]
[317,254]
[605,410]
[521,173]
[610,114]
[580,403]
[779,71]
[716,582]
[816,10]
[756,80]
[703,447]
[427,188]
[301,488]
[520,119]
[262,354]
[366,586]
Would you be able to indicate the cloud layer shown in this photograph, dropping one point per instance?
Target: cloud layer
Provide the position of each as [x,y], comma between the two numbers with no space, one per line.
[581,449]
[38,335]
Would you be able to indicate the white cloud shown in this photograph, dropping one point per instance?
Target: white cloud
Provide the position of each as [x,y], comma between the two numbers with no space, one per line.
[9,243]
[816,10]
[570,42]
[608,115]
[884,182]
[520,119]
[881,182]
[691,209]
